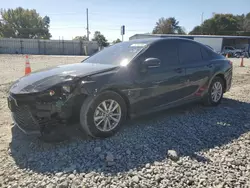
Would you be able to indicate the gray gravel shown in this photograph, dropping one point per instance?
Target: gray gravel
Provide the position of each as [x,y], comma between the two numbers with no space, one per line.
[190,146]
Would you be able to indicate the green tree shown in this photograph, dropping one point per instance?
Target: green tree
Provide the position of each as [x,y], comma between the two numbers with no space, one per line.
[168,26]
[246,24]
[24,23]
[116,41]
[240,20]
[101,40]
[224,24]
[196,31]
[83,38]
[209,27]
[227,24]
[181,31]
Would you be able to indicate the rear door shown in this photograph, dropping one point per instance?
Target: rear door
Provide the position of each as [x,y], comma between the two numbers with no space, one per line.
[197,60]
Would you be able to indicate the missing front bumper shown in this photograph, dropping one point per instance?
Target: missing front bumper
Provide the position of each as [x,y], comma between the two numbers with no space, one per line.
[28,121]
[28,132]
[35,117]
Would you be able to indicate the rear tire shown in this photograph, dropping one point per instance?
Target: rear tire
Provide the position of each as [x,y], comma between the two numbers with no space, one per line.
[96,121]
[215,92]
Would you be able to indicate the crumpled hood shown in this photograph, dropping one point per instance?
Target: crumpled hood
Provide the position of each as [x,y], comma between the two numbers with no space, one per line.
[46,78]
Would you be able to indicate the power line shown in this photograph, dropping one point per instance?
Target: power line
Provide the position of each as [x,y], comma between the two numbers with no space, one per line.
[120,14]
[97,27]
[98,13]
[108,29]
[138,19]
[64,13]
[105,29]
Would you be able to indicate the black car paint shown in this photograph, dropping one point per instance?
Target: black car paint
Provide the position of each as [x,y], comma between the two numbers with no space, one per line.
[43,80]
[144,90]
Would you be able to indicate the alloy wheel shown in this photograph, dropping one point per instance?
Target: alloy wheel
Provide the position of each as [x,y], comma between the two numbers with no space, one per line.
[107,115]
[216,92]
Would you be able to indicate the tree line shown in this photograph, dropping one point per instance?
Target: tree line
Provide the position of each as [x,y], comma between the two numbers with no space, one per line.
[27,23]
[23,23]
[224,24]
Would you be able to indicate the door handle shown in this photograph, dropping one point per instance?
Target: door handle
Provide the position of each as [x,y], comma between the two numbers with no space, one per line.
[157,82]
[178,70]
[210,66]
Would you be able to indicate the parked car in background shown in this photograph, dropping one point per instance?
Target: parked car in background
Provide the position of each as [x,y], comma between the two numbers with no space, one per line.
[231,51]
[122,81]
[245,53]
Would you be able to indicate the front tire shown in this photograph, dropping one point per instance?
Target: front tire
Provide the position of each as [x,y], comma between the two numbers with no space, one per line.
[103,115]
[215,92]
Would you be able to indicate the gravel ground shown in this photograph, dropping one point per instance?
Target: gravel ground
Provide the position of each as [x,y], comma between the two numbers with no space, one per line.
[189,146]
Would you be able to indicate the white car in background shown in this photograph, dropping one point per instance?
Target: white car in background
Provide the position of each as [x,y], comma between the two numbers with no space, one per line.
[231,51]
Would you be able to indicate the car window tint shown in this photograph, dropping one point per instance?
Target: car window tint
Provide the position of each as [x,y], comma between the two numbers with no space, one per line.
[229,48]
[206,54]
[189,52]
[166,51]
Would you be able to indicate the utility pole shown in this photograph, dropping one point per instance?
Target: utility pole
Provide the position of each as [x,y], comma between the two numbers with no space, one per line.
[202,22]
[122,31]
[87,11]
[202,18]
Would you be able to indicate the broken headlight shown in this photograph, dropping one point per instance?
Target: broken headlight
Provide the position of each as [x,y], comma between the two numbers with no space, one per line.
[68,85]
[66,88]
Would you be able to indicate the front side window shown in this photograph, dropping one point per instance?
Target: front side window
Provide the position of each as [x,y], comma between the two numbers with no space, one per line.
[206,54]
[189,52]
[166,51]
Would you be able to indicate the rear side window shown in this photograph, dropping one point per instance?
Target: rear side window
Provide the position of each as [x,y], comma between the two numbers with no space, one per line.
[189,52]
[166,51]
[206,54]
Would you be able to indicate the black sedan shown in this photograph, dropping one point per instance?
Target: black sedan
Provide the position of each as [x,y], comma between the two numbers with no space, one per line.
[125,80]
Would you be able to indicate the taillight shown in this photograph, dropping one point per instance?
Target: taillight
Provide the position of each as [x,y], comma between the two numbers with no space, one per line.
[230,62]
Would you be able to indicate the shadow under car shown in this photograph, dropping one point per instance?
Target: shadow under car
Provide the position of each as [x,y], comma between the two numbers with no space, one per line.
[187,130]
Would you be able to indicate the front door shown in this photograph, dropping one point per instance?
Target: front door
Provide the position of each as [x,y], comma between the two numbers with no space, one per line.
[158,86]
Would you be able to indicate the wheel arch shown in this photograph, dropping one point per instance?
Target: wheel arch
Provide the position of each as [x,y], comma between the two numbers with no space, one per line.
[123,96]
[220,75]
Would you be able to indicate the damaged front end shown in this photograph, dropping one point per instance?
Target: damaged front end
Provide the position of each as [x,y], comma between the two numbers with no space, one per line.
[41,112]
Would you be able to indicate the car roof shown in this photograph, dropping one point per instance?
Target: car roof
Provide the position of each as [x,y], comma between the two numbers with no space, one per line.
[156,39]
[150,41]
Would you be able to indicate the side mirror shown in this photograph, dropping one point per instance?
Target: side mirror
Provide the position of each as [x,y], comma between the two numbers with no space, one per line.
[152,62]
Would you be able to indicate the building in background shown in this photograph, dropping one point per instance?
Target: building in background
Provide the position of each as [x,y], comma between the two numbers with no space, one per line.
[218,43]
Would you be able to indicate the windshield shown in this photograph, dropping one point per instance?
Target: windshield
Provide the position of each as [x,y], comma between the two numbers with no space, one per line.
[118,54]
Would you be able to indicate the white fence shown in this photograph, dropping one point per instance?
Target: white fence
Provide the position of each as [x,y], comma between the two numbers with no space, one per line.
[47,47]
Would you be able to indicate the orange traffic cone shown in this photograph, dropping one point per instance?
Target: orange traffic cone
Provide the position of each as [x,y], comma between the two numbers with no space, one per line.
[242,62]
[27,66]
